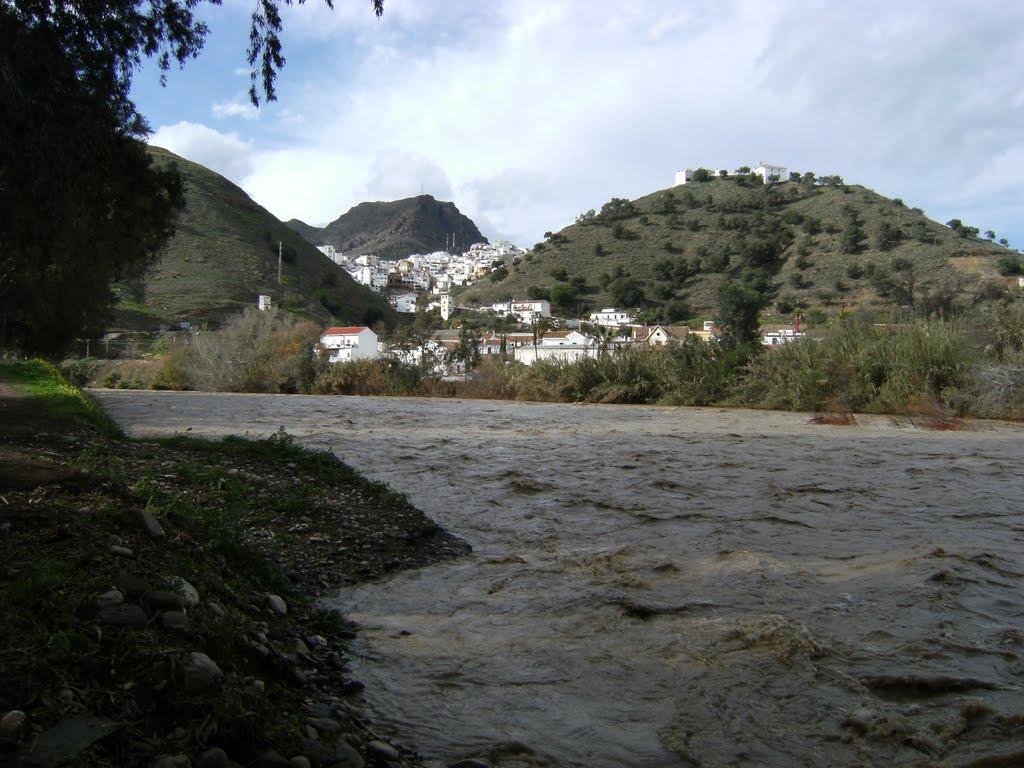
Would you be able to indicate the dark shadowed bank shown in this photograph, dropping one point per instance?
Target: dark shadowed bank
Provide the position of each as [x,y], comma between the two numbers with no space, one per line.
[159,598]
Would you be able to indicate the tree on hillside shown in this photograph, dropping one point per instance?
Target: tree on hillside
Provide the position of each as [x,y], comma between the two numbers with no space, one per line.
[739,309]
[83,204]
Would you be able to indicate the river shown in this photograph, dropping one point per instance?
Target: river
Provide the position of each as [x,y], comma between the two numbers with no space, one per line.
[676,586]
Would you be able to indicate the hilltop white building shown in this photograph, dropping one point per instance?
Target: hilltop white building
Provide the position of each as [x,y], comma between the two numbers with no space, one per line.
[769,173]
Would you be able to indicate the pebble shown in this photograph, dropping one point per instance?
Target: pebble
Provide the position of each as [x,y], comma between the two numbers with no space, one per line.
[277,604]
[271,759]
[111,597]
[300,761]
[131,584]
[186,590]
[318,709]
[149,524]
[172,761]
[470,762]
[346,757]
[382,751]
[165,600]
[216,609]
[12,725]
[200,672]
[123,616]
[325,724]
[174,620]
[215,757]
[120,551]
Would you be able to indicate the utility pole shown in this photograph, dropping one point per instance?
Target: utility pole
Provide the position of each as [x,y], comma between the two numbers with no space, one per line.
[279,246]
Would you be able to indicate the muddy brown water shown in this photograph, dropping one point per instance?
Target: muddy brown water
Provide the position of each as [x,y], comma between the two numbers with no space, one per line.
[675,586]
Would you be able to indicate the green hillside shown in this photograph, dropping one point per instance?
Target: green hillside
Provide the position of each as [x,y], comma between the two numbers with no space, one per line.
[396,229]
[810,248]
[224,253]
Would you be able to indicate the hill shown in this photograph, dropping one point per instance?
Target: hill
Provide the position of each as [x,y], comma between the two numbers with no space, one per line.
[809,248]
[396,229]
[224,253]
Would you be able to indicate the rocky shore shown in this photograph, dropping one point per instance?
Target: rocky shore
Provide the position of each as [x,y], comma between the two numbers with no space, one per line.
[159,599]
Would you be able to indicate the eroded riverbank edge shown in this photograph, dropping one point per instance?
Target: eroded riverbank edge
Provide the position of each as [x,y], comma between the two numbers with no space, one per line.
[160,597]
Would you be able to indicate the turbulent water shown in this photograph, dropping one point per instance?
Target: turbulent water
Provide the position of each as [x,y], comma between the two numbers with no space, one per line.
[673,586]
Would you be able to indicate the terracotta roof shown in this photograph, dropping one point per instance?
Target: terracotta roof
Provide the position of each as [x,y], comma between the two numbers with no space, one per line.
[349,331]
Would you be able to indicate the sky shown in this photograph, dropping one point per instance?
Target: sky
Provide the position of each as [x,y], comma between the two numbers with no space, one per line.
[526,113]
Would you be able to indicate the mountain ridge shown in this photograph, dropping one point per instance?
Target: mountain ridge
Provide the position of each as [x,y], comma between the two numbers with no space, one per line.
[396,229]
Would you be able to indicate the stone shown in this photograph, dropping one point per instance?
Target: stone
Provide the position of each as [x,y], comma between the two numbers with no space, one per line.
[318,709]
[300,761]
[120,551]
[259,685]
[123,616]
[277,604]
[271,759]
[382,751]
[12,725]
[316,641]
[174,620]
[111,597]
[186,590]
[216,609]
[132,585]
[172,761]
[200,672]
[165,600]
[470,762]
[215,757]
[325,724]
[69,737]
[148,524]
[345,756]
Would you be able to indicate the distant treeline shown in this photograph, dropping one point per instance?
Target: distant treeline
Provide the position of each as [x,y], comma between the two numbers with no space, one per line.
[953,368]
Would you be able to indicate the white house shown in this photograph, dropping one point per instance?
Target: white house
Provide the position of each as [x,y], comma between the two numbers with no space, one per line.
[661,335]
[774,335]
[566,346]
[684,176]
[352,343]
[405,302]
[525,310]
[770,173]
[263,302]
[612,318]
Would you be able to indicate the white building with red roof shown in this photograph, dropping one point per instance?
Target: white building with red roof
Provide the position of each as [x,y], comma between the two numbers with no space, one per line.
[351,343]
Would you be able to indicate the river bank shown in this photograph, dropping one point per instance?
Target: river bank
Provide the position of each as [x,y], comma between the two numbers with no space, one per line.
[159,597]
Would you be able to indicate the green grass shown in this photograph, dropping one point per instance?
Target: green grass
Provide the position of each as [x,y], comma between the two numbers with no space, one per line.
[43,383]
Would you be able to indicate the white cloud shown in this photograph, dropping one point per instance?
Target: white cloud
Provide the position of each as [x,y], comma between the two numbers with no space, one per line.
[240,107]
[528,113]
[225,153]
[398,174]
